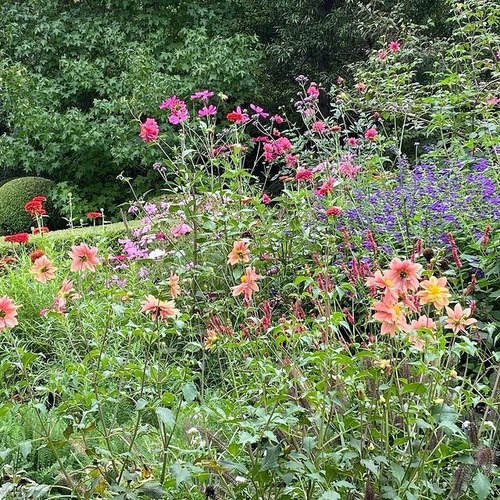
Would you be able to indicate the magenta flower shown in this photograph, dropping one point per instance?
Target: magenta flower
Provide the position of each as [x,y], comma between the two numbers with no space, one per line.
[312,90]
[203,94]
[259,111]
[318,126]
[371,134]
[303,174]
[178,115]
[394,46]
[149,130]
[382,54]
[207,111]
[277,119]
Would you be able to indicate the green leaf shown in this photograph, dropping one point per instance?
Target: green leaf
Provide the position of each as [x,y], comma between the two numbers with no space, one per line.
[140,404]
[25,448]
[180,474]
[398,472]
[165,416]
[152,489]
[329,495]
[481,485]
[270,460]
[190,392]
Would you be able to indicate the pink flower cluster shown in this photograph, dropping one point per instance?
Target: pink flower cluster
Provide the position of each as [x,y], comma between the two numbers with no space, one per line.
[177,108]
[274,149]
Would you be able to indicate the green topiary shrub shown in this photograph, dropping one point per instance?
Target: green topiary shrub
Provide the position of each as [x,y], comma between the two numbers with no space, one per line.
[13,196]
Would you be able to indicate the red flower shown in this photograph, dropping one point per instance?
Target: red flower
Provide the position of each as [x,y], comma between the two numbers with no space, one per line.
[94,215]
[40,199]
[237,116]
[38,230]
[333,211]
[34,207]
[17,238]
[36,254]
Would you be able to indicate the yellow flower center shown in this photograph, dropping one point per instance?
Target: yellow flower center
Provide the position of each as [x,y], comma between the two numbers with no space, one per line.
[389,282]
[397,309]
[244,278]
[434,290]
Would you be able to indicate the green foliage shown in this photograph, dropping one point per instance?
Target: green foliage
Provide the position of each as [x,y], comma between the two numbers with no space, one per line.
[70,73]
[14,195]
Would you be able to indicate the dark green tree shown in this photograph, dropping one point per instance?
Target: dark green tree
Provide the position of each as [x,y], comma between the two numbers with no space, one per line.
[72,72]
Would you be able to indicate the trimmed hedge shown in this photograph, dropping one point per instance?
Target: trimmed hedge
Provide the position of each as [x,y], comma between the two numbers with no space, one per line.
[14,195]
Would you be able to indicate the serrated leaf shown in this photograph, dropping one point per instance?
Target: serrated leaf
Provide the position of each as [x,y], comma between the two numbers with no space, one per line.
[481,485]
[152,489]
[180,474]
[270,460]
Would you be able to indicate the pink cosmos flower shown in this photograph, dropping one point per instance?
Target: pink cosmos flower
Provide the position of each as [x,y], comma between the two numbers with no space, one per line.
[259,111]
[203,95]
[248,284]
[84,258]
[207,111]
[303,174]
[149,130]
[8,313]
[318,126]
[178,116]
[43,270]
[159,308]
[391,315]
[394,46]
[239,254]
[459,318]
[371,134]
[403,274]
[181,230]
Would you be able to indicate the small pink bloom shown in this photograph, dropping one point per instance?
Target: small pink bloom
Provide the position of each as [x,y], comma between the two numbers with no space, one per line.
[360,87]
[394,46]
[423,322]
[84,258]
[459,318]
[371,134]
[248,284]
[277,119]
[318,126]
[266,199]
[492,101]
[259,111]
[391,316]
[291,160]
[203,95]
[312,90]
[333,211]
[8,313]
[149,130]
[303,174]
[43,270]
[403,274]
[382,54]
[181,230]
[239,254]
[159,308]
[352,141]
[207,111]
[379,280]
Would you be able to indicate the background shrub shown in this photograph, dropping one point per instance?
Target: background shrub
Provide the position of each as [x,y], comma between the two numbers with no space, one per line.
[14,195]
